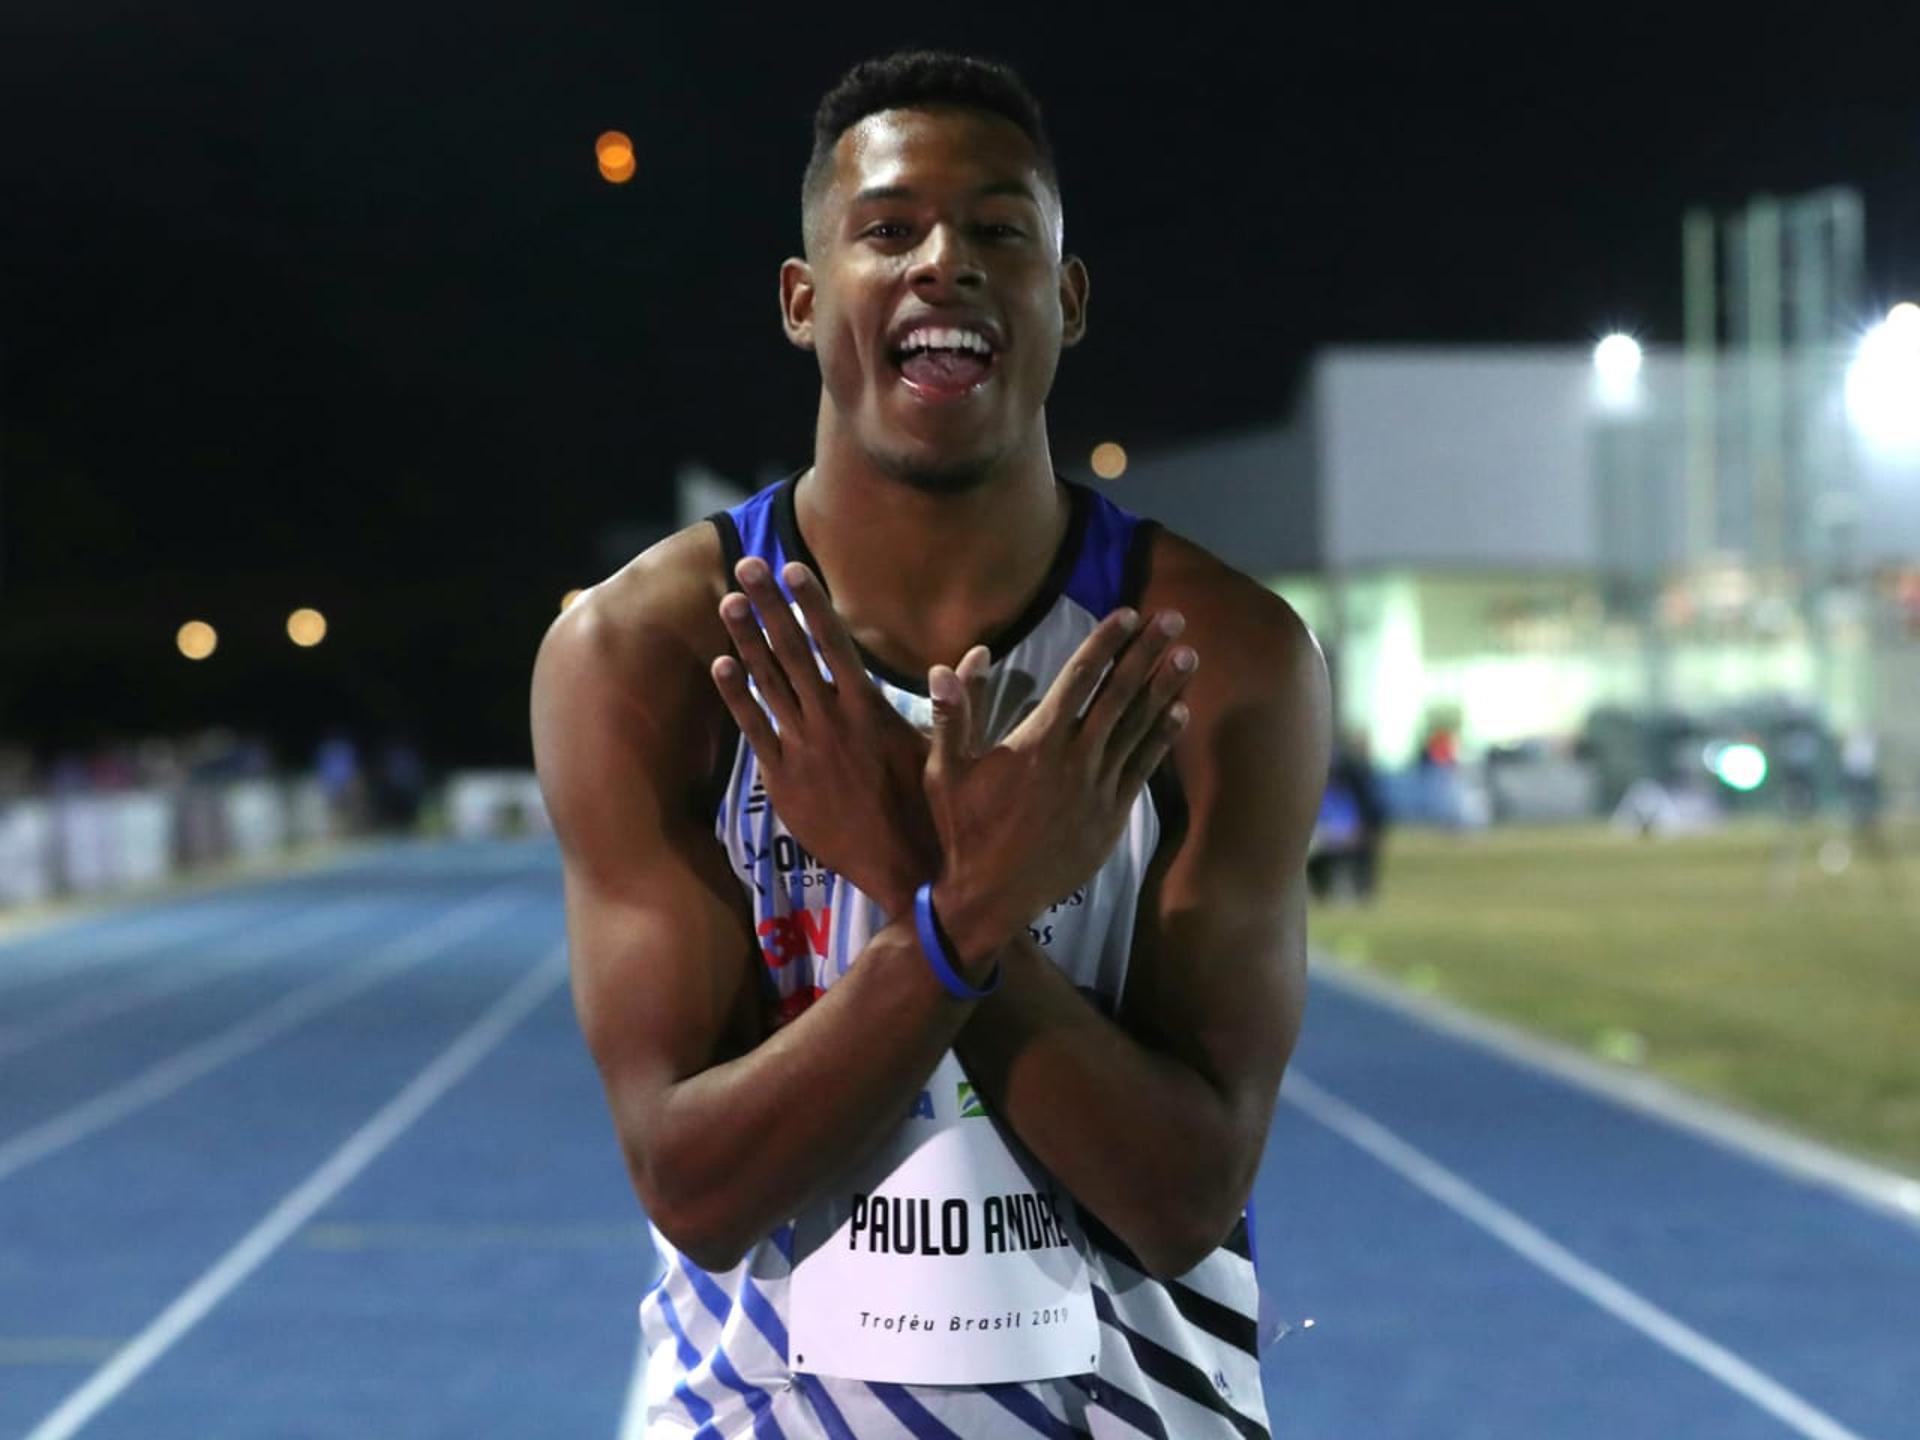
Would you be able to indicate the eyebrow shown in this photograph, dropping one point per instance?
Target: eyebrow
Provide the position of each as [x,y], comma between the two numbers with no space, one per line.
[1016,189]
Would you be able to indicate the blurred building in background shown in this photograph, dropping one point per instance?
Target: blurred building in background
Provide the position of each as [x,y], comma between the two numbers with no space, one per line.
[1505,546]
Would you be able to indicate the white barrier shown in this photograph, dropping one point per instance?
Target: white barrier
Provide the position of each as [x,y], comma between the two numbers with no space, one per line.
[483,803]
[26,852]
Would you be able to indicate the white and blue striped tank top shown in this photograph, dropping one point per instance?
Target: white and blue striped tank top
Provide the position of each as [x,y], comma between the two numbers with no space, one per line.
[1177,1358]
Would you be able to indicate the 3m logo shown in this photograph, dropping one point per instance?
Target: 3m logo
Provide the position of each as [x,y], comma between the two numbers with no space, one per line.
[970,1106]
[786,939]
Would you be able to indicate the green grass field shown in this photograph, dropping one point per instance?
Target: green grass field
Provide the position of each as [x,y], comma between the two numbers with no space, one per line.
[1737,964]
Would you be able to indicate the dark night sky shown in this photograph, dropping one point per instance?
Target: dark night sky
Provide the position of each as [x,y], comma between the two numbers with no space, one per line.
[333,308]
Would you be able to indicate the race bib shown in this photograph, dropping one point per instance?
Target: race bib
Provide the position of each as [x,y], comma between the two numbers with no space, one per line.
[948,1259]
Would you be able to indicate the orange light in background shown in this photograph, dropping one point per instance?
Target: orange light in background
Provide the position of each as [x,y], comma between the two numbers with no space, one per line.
[196,639]
[306,627]
[568,598]
[614,152]
[1109,461]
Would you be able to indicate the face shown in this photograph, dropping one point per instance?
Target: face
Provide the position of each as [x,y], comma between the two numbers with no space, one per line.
[934,293]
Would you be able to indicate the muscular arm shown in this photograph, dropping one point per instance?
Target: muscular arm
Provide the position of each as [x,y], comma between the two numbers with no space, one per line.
[726,1130]
[1157,1122]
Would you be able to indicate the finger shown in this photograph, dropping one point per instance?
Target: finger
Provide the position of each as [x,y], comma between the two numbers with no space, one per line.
[1149,703]
[1127,682]
[976,667]
[731,680]
[784,635]
[1075,683]
[829,631]
[952,721]
[1152,751]
[750,642]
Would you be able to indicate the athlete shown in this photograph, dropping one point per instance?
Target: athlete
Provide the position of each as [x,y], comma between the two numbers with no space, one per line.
[936,915]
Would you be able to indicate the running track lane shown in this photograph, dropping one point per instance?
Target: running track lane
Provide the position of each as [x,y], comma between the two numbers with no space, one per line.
[479,1277]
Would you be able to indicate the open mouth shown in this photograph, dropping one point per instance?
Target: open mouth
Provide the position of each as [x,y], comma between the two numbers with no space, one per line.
[942,362]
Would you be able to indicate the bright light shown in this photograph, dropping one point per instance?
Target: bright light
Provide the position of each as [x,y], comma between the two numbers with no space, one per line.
[614,153]
[1617,357]
[1109,461]
[196,639]
[1740,766]
[567,599]
[306,627]
[1883,383]
[1616,372]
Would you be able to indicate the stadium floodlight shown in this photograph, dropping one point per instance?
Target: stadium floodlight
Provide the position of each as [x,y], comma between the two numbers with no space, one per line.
[196,639]
[1616,371]
[1740,766]
[613,152]
[1883,383]
[306,627]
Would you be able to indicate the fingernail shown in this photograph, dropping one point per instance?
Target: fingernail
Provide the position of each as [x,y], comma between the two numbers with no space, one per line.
[795,575]
[735,607]
[943,685]
[1129,621]
[1172,623]
[1184,659]
[1177,713]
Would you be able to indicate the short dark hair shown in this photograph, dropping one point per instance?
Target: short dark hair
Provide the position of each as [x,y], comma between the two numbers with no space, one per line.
[911,78]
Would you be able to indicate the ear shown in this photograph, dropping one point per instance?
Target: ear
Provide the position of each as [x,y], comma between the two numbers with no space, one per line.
[796,302]
[1073,300]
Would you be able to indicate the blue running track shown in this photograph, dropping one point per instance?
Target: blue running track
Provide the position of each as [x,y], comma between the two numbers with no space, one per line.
[323,1157]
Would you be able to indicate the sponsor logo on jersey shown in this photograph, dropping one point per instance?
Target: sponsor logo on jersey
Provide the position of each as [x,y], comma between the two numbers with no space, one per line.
[970,1106]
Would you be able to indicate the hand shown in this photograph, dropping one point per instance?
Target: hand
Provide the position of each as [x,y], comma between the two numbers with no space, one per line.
[1033,817]
[842,767]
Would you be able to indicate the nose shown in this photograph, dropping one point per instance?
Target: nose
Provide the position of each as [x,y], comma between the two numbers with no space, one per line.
[946,260]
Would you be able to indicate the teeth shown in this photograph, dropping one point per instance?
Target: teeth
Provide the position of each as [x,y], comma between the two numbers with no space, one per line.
[928,337]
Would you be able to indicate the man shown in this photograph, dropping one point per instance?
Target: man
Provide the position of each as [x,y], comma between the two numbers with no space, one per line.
[942,1067]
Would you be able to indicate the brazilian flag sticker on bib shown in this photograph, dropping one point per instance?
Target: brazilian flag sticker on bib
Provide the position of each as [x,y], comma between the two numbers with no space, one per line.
[970,1106]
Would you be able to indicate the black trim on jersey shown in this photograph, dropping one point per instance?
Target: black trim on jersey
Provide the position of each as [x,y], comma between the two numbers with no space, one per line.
[1133,574]
[787,526]
[1176,1372]
[731,552]
[1203,1312]
[732,548]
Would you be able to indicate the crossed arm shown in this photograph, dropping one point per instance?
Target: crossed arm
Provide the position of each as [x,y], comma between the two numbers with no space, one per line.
[1155,1122]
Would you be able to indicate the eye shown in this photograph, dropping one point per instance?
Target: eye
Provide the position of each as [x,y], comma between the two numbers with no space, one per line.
[1001,230]
[886,230]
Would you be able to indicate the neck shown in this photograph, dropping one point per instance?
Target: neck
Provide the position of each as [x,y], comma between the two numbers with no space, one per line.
[922,574]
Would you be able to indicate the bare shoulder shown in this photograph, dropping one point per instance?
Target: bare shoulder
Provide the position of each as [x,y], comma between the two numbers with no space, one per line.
[624,715]
[1253,645]
[658,608]
[1252,760]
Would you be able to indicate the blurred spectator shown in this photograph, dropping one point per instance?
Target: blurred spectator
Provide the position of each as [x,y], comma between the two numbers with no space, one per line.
[336,764]
[1860,777]
[400,785]
[1345,858]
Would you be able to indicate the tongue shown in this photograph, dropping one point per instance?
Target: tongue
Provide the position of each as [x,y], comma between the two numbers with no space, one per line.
[945,369]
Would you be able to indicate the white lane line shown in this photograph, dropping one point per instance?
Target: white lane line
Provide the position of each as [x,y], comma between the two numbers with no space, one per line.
[239,953]
[633,1415]
[1860,1181]
[183,1067]
[303,1202]
[1596,1285]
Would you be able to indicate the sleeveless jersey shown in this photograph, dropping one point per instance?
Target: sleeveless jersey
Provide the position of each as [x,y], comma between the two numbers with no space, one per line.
[1177,1358]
